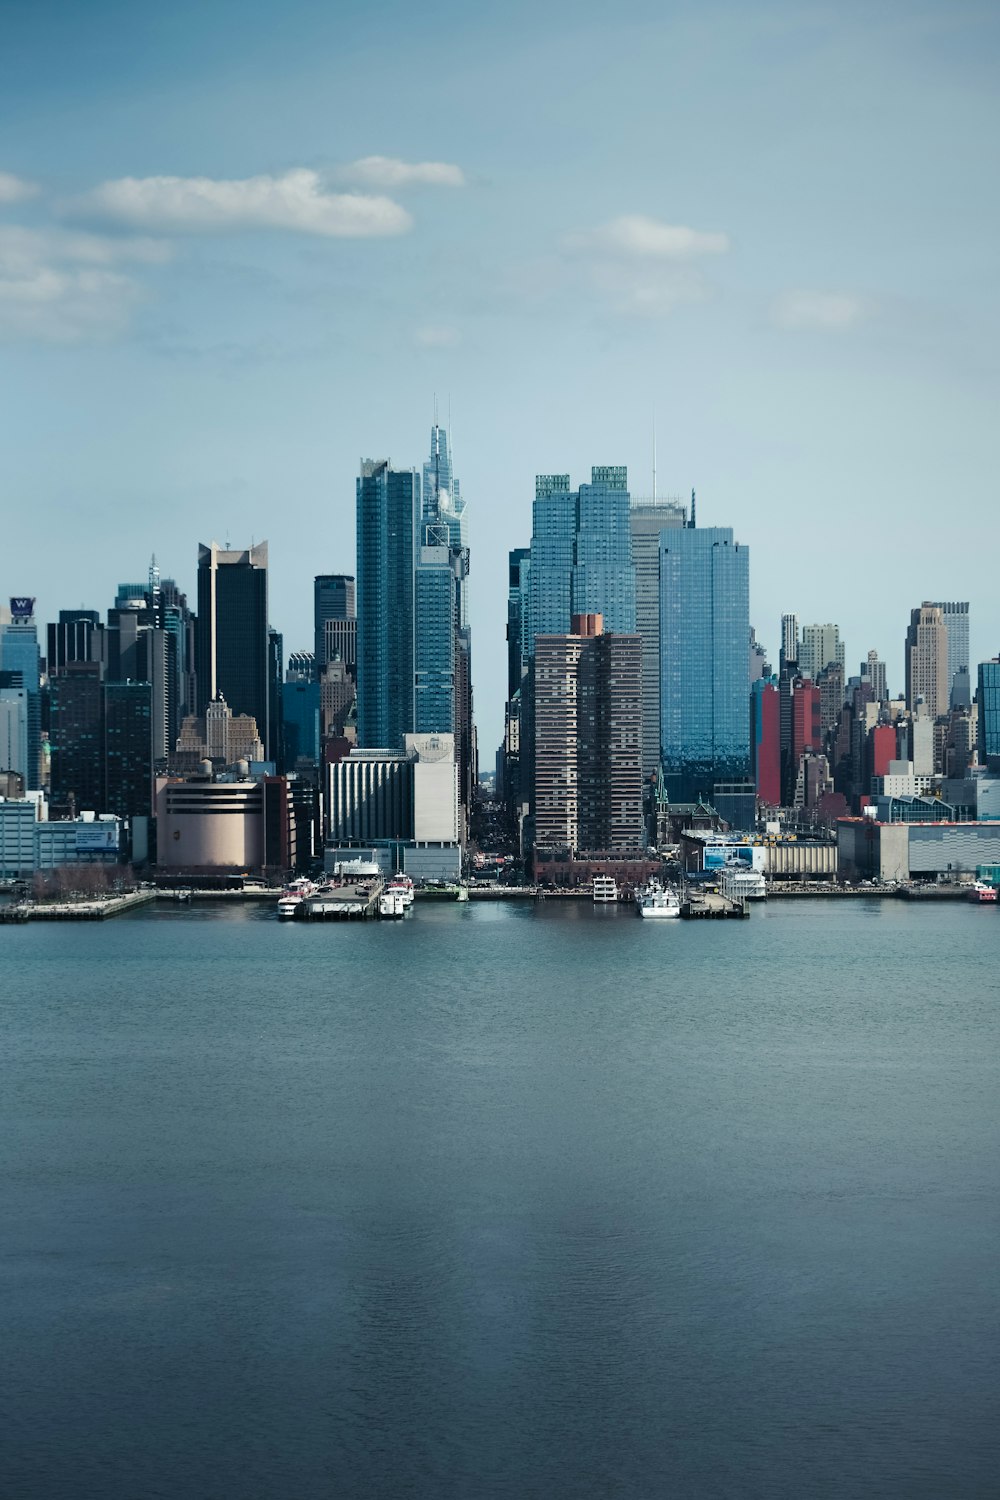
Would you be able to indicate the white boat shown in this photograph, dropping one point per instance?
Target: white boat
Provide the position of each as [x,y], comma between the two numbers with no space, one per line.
[293,896]
[982,894]
[401,886]
[605,888]
[656,900]
[390,904]
[740,883]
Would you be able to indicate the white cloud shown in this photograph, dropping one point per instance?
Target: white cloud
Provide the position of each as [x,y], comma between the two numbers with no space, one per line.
[295,201]
[638,237]
[389,172]
[829,312]
[16,189]
[437,336]
[63,287]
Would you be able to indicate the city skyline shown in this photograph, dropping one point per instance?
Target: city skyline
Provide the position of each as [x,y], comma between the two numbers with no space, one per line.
[806,315]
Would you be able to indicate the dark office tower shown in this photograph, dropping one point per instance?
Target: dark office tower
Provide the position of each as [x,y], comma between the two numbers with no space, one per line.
[388,511]
[231,635]
[988,705]
[335,619]
[647,519]
[274,744]
[588,717]
[704,629]
[77,735]
[128,765]
[78,636]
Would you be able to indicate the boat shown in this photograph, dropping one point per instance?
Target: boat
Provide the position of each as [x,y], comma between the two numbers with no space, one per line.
[390,904]
[293,896]
[605,888]
[741,883]
[983,894]
[656,900]
[401,886]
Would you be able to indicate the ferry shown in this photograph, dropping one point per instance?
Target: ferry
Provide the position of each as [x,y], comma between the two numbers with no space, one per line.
[605,888]
[293,896]
[656,900]
[740,883]
[983,894]
[390,904]
[401,886]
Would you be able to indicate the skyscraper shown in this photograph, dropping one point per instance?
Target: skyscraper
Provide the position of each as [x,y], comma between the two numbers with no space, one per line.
[128,766]
[581,554]
[77,734]
[647,519]
[19,653]
[927,660]
[588,717]
[231,635]
[956,621]
[334,605]
[988,701]
[874,670]
[388,511]
[704,629]
[789,641]
[820,647]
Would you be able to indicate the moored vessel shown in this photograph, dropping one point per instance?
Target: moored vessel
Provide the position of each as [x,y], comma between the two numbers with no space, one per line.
[983,894]
[656,900]
[293,896]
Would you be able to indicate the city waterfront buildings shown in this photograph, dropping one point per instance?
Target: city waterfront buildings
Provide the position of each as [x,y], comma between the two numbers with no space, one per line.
[388,508]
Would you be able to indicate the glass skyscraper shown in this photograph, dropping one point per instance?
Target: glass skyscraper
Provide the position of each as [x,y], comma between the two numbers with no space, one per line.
[388,516]
[581,554]
[704,628]
[19,653]
[988,699]
[333,599]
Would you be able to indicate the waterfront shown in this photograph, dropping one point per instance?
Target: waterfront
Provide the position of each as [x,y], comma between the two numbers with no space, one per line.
[503,1200]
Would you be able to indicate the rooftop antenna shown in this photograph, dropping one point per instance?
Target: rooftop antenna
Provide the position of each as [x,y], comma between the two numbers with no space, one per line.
[654,454]
[435,409]
[694,512]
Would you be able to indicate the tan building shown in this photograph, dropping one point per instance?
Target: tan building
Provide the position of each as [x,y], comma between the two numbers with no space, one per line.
[207,825]
[927,660]
[221,736]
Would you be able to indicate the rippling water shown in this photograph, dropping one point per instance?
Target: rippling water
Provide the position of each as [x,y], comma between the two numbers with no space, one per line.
[501,1202]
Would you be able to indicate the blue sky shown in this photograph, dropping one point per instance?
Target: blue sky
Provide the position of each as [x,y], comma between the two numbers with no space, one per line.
[774,225]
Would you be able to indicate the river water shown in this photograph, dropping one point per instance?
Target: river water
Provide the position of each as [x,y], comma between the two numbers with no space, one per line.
[502,1201]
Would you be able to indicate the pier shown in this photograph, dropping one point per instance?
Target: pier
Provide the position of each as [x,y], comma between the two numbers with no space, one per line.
[353,902]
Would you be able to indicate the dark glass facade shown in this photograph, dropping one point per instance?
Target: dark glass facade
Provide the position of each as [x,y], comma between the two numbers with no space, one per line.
[388,508]
[232,655]
[333,599]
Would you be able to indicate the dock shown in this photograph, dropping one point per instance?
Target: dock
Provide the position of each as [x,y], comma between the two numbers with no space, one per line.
[707,905]
[355,901]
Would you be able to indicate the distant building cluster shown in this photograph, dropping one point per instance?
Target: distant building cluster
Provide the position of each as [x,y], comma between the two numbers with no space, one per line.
[642,709]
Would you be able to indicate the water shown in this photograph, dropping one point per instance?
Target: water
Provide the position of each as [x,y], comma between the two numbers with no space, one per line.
[501,1202]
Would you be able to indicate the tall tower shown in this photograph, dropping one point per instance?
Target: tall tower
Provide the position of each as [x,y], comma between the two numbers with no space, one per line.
[588,772]
[388,513]
[927,660]
[444,667]
[789,640]
[647,519]
[334,619]
[704,628]
[232,656]
[820,647]
[956,620]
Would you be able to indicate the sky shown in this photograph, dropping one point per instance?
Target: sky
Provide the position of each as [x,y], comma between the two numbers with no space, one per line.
[243,246]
